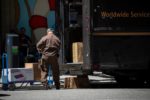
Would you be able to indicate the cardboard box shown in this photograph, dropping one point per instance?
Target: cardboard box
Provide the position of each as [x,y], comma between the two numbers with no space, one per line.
[77,52]
[17,75]
[36,70]
[81,81]
[71,83]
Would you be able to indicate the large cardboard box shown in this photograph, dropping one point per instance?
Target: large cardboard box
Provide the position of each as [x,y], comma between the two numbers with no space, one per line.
[36,70]
[71,83]
[17,74]
[77,52]
[81,81]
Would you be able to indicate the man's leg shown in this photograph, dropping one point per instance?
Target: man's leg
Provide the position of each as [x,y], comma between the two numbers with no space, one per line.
[44,72]
[55,71]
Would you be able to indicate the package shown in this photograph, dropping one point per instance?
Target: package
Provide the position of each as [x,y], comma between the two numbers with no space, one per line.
[77,52]
[81,81]
[71,83]
[36,70]
[17,74]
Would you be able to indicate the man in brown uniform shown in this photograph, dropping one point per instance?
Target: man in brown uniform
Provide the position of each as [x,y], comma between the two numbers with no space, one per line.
[49,46]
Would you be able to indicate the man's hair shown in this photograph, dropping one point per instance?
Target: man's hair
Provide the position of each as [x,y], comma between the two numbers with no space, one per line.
[49,30]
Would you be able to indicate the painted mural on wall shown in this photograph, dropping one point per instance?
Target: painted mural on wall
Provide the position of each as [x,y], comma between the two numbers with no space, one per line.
[36,16]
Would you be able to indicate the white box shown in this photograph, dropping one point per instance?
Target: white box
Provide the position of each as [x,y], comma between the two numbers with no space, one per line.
[17,74]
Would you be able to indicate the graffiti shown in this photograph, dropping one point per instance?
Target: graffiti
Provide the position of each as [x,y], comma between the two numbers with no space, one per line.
[36,16]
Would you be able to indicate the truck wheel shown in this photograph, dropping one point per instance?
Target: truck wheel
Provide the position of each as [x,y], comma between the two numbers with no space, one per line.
[122,81]
[148,82]
[131,82]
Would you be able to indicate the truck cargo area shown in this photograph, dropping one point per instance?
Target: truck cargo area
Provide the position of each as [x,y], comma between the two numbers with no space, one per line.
[122,56]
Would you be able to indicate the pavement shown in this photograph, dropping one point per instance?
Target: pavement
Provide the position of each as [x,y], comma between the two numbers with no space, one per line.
[78,94]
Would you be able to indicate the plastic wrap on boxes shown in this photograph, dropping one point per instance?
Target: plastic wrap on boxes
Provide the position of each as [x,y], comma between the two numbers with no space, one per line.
[18,74]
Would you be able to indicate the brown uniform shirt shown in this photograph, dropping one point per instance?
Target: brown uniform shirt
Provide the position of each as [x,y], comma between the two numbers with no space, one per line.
[48,45]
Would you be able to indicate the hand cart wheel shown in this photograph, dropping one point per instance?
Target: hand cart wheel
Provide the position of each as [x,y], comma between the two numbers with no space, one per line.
[4,86]
[11,86]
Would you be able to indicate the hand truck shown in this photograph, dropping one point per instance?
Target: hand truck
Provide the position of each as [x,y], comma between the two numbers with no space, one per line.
[10,85]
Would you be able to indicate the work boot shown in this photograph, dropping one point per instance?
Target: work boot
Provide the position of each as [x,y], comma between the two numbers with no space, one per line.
[57,88]
[57,85]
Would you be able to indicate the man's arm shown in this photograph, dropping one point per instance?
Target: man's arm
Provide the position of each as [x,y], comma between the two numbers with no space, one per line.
[40,45]
[58,46]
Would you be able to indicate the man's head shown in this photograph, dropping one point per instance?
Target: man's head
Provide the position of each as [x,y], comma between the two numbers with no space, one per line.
[22,30]
[49,31]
